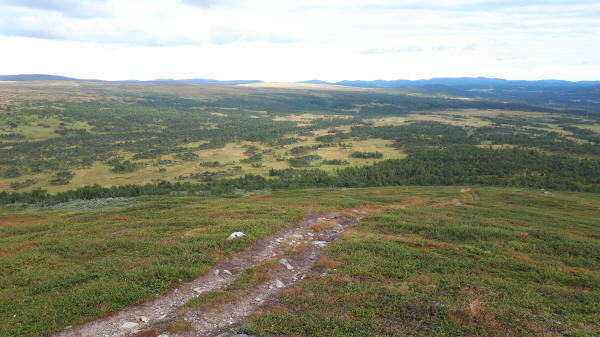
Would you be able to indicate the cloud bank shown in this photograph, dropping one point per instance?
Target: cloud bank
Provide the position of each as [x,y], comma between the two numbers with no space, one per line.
[295,40]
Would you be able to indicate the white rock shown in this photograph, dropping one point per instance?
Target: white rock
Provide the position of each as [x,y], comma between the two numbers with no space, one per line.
[235,235]
[227,272]
[355,210]
[143,319]
[298,236]
[320,243]
[279,284]
[198,290]
[285,262]
[216,272]
[163,335]
[129,326]
[68,327]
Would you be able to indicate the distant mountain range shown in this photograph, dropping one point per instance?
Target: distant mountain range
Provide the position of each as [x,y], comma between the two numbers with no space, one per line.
[44,77]
[582,95]
[449,82]
[454,82]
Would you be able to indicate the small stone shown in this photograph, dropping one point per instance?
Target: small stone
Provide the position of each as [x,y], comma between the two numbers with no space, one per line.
[68,327]
[285,262]
[227,272]
[324,274]
[198,290]
[216,272]
[235,235]
[355,211]
[298,236]
[279,284]
[163,335]
[129,326]
[320,243]
[143,319]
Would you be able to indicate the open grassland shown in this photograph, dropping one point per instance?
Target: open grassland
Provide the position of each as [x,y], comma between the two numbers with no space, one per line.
[425,261]
[516,263]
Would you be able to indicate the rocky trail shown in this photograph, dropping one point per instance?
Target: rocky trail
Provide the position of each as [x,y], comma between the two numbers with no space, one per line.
[306,240]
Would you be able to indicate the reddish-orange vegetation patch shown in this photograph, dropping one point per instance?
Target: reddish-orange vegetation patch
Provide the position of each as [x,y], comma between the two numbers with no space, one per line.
[147,333]
[374,209]
[21,220]
[260,196]
[475,313]
[582,235]
[123,218]
[327,261]
[422,279]
[523,257]
[411,241]
[20,248]
[322,225]
[571,269]
[293,291]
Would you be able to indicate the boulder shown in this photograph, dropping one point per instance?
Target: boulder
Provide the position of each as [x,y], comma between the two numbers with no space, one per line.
[235,235]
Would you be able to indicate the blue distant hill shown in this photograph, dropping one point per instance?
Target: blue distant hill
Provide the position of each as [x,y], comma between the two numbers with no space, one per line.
[456,82]
[44,77]
[39,77]
[583,94]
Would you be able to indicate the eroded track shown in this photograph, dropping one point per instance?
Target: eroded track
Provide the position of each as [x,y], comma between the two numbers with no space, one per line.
[158,313]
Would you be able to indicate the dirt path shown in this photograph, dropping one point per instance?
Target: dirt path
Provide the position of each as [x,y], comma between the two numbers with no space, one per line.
[313,233]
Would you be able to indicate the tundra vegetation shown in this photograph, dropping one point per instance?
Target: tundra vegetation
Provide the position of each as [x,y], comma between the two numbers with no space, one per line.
[481,216]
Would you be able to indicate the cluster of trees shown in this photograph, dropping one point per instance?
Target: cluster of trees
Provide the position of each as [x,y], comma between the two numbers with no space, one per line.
[455,165]
[366,155]
[17,185]
[124,166]
[303,161]
[334,162]
[62,178]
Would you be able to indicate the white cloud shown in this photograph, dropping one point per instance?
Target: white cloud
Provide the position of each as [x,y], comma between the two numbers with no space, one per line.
[297,40]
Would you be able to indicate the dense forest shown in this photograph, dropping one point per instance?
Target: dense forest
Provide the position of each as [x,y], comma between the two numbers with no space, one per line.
[130,128]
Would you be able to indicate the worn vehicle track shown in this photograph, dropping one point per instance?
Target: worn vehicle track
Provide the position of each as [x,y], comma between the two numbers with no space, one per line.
[158,313]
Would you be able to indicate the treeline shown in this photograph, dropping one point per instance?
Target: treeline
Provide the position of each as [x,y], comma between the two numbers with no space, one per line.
[458,165]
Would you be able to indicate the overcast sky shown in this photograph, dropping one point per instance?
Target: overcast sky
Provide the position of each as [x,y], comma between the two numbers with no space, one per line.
[280,40]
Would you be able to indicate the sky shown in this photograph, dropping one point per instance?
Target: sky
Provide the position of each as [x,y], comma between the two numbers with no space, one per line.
[287,41]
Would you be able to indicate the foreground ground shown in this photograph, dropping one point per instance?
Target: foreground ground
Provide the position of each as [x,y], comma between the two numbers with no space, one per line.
[422,261]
